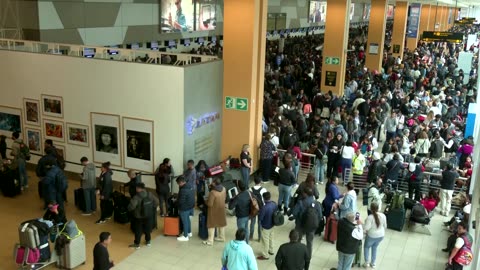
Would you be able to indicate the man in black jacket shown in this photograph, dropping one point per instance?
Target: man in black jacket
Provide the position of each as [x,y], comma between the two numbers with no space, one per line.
[293,255]
[449,175]
[144,205]
[350,235]
[101,258]
[242,203]
[376,168]
[185,203]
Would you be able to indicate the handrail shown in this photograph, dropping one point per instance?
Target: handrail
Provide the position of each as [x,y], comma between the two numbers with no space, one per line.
[154,57]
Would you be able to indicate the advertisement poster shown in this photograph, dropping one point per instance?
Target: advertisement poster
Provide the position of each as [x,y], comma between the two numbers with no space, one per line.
[188,15]
[413,20]
[205,17]
[366,11]
[317,11]
[390,11]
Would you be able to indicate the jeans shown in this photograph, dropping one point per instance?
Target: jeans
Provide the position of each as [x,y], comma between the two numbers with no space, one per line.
[266,169]
[186,223]
[345,261]
[252,227]
[267,242]
[319,170]
[106,207]
[390,135]
[309,238]
[22,169]
[245,175]
[163,201]
[90,200]
[242,223]
[445,200]
[296,169]
[142,225]
[284,195]
[371,243]
[345,164]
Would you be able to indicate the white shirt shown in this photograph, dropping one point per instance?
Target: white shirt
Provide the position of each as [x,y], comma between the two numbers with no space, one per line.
[348,152]
[389,157]
[275,140]
[374,142]
[467,208]
[371,227]
[357,233]
[435,110]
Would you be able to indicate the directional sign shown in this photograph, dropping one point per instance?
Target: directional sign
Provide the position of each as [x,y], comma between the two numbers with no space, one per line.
[236,103]
[332,60]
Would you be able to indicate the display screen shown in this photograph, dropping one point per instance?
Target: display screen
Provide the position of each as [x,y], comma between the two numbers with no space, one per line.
[112,51]
[206,15]
[153,45]
[317,11]
[134,46]
[200,40]
[188,15]
[186,42]
[366,11]
[390,11]
[89,52]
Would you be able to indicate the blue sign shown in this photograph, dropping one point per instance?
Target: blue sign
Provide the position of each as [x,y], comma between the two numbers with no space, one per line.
[414,20]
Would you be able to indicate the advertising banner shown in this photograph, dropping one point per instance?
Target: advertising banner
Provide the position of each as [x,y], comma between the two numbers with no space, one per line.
[413,20]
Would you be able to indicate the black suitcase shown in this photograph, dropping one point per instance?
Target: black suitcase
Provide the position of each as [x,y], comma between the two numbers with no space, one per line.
[79,198]
[10,183]
[409,203]
[121,215]
[172,210]
[396,219]
[202,226]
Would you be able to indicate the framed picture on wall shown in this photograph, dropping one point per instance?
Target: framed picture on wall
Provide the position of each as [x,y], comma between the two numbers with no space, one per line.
[34,140]
[78,134]
[10,121]
[138,141]
[61,151]
[31,108]
[106,138]
[54,130]
[52,106]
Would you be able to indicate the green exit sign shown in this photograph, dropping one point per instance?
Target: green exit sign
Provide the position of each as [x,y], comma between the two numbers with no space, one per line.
[236,103]
[332,60]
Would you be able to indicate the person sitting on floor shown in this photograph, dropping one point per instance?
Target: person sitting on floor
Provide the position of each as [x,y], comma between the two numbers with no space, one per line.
[431,201]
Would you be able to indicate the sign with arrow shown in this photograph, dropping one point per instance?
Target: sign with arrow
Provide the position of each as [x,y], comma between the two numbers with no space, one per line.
[236,103]
[332,60]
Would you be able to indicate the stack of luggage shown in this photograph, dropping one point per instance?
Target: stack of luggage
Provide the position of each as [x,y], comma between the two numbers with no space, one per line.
[395,212]
[34,248]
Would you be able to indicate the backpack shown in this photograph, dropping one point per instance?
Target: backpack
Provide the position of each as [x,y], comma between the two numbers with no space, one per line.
[278,218]
[310,218]
[418,211]
[454,146]
[24,151]
[465,255]
[258,196]
[146,207]
[254,207]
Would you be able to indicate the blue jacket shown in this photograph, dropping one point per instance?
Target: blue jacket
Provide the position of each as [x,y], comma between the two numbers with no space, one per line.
[349,204]
[265,217]
[238,255]
[49,184]
[300,207]
[330,198]
[186,198]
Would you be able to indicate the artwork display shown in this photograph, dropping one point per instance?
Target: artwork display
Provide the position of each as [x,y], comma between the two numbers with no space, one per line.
[78,134]
[52,106]
[10,121]
[34,140]
[106,130]
[61,151]
[32,111]
[138,141]
[54,130]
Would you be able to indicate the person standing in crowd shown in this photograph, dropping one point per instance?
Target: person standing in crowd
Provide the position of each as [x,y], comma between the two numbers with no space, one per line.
[358,163]
[375,195]
[143,205]
[241,203]
[54,184]
[375,226]
[391,124]
[246,166]
[293,255]
[201,169]
[267,150]
[415,170]
[334,155]
[101,258]
[307,214]
[257,190]
[406,144]
[464,239]
[422,145]
[449,175]
[393,169]
[41,169]
[19,158]
[162,184]
[265,220]
[132,184]
[186,204]
[346,153]
[105,192]
[216,218]
[320,150]
[190,174]
[332,195]
[285,183]
[350,235]
[237,254]
[88,186]
[310,183]
[376,168]
[349,201]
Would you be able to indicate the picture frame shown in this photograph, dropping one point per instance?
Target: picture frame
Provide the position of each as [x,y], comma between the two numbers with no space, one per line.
[138,140]
[33,138]
[106,138]
[52,106]
[78,134]
[61,151]
[54,130]
[11,121]
[31,109]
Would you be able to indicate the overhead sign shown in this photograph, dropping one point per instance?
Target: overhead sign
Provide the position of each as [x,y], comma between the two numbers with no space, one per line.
[465,21]
[431,36]
[332,60]
[413,20]
[236,103]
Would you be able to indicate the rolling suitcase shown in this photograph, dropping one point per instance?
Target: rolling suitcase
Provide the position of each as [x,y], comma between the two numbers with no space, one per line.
[330,234]
[358,256]
[73,254]
[79,198]
[396,219]
[28,235]
[202,226]
[121,215]
[171,226]
[10,183]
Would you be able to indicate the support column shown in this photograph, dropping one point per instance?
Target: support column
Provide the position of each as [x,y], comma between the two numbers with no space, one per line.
[376,35]
[424,19]
[335,46]
[399,28]
[244,31]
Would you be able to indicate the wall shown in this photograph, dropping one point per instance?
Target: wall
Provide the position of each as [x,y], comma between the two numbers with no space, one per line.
[203,99]
[144,91]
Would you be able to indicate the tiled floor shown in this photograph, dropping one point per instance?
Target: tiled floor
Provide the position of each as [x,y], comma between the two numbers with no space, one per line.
[399,250]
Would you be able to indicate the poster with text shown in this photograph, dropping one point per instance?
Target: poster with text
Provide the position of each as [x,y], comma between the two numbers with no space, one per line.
[317,11]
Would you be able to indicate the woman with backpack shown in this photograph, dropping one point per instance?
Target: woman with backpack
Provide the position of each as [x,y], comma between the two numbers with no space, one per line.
[375,226]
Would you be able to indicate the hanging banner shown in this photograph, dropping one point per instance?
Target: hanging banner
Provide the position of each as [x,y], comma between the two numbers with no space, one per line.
[413,20]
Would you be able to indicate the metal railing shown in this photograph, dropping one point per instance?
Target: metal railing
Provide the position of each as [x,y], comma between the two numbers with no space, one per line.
[307,163]
[120,54]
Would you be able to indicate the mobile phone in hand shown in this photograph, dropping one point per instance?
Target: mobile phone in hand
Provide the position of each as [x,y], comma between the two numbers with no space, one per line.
[357,216]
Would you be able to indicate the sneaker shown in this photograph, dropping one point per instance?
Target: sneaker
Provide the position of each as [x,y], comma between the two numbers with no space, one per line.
[190,235]
[108,218]
[182,238]
[100,221]
[135,246]
[208,243]
[321,183]
[219,239]
[148,244]
[372,265]
[365,265]
[86,214]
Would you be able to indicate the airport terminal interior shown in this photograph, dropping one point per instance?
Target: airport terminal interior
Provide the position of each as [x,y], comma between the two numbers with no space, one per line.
[273,91]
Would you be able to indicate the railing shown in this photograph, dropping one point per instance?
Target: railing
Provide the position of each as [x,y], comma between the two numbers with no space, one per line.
[307,163]
[120,54]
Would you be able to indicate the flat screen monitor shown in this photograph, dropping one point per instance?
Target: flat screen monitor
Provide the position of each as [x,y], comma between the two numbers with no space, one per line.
[89,52]
[153,45]
[188,15]
[170,43]
[200,40]
[317,11]
[112,51]
[186,42]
